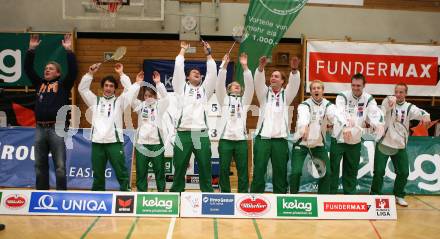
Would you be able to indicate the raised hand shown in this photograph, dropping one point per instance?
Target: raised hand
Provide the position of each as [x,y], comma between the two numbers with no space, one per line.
[119,68]
[34,41]
[67,42]
[294,64]
[184,45]
[94,68]
[140,76]
[156,77]
[206,48]
[244,61]
[262,63]
[226,60]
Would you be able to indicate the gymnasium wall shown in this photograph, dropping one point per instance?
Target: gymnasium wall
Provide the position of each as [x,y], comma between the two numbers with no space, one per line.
[371,22]
[90,51]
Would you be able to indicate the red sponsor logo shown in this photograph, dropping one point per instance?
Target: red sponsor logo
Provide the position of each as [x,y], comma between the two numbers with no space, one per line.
[382,203]
[253,205]
[378,69]
[15,201]
[346,207]
[125,203]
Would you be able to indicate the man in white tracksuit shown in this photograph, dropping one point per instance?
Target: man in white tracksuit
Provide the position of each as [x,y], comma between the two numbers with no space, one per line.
[314,115]
[192,127]
[273,125]
[234,103]
[396,110]
[151,135]
[107,135]
[359,109]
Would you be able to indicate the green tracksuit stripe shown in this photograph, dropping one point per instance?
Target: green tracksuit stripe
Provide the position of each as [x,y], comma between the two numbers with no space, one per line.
[277,150]
[196,142]
[350,155]
[299,154]
[238,150]
[401,168]
[114,152]
[142,161]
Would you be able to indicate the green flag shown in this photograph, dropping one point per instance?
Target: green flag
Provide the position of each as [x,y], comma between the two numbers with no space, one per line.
[13,47]
[266,23]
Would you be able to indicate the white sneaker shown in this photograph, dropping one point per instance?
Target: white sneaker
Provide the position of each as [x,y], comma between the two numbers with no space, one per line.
[401,202]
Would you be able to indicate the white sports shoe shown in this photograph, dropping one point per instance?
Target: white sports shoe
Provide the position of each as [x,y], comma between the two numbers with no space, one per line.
[401,202]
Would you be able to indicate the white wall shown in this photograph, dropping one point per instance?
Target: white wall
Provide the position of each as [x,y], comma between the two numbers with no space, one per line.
[313,21]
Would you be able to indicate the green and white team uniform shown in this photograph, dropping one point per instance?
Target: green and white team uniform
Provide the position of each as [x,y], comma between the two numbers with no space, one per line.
[360,111]
[192,126]
[151,137]
[272,132]
[232,130]
[401,113]
[107,131]
[317,116]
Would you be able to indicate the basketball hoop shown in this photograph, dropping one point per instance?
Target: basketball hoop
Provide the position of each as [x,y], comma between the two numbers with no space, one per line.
[109,10]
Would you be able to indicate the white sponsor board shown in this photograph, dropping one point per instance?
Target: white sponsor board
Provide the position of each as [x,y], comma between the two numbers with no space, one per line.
[277,206]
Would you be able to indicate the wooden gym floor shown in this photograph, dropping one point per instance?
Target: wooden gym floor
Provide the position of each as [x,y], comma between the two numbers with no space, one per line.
[419,220]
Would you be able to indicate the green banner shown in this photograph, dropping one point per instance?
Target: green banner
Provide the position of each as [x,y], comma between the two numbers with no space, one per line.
[159,204]
[424,168]
[266,22]
[13,47]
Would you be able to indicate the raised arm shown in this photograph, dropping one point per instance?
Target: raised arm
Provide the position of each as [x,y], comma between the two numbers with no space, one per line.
[84,86]
[220,90]
[178,80]
[248,80]
[211,71]
[72,66]
[260,80]
[130,91]
[135,103]
[34,42]
[294,80]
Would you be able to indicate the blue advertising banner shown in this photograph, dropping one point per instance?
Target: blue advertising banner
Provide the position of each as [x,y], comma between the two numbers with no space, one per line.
[17,159]
[70,203]
[166,68]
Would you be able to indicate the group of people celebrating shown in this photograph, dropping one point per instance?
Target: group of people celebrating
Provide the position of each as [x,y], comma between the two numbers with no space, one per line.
[354,113]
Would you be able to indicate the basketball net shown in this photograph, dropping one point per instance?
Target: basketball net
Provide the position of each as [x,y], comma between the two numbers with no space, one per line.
[108,10]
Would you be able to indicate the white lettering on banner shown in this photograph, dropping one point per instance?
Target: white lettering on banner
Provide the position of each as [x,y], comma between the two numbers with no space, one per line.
[86,172]
[418,172]
[167,204]
[369,69]
[84,205]
[9,152]
[11,73]
[297,205]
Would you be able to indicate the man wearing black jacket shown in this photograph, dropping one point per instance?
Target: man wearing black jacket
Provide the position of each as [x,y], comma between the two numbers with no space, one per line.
[52,93]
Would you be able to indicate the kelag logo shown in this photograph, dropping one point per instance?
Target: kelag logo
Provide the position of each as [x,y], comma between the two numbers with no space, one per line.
[157,204]
[78,203]
[124,204]
[297,207]
[218,204]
